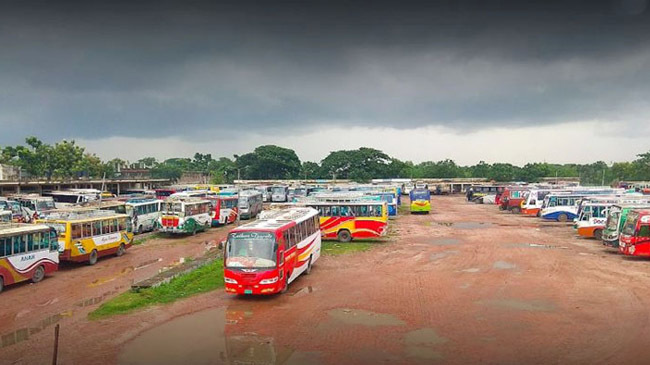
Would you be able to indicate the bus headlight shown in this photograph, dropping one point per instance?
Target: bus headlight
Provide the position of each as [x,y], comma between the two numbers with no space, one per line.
[230,281]
[269,281]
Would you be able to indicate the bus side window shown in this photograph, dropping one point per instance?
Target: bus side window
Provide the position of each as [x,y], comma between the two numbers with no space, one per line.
[97,228]
[335,211]
[5,246]
[30,242]
[378,209]
[19,244]
[644,231]
[87,229]
[75,231]
[363,211]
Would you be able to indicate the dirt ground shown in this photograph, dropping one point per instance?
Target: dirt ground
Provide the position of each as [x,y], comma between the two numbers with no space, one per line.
[465,284]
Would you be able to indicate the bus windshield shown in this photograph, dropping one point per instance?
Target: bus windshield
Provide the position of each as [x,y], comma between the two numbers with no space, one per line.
[250,250]
[42,205]
[420,196]
[630,223]
[612,220]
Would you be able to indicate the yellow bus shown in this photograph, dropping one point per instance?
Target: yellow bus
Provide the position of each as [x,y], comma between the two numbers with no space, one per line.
[87,236]
[353,219]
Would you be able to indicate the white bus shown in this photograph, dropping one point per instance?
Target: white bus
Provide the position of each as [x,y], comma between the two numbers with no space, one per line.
[250,203]
[34,206]
[279,193]
[27,252]
[185,215]
[64,199]
[144,214]
[593,212]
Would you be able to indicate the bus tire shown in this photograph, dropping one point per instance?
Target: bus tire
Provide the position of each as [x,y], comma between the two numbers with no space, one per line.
[92,259]
[308,270]
[598,234]
[39,274]
[120,250]
[344,236]
[2,284]
[562,218]
[140,229]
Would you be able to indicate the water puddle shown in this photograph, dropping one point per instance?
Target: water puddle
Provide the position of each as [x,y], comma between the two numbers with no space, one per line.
[441,255]
[471,270]
[364,318]
[102,281]
[206,337]
[472,225]
[536,245]
[529,306]
[302,291]
[444,241]
[503,265]
[424,336]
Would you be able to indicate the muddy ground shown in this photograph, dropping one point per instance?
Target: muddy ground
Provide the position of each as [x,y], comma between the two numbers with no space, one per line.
[465,284]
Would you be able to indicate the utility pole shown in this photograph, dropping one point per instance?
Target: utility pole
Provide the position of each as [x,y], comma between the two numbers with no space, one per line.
[603,181]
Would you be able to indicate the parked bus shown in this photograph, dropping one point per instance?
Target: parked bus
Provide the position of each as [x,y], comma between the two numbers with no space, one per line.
[17,214]
[265,256]
[87,236]
[593,212]
[513,198]
[532,206]
[144,214]
[250,203]
[279,193]
[6,216]
[225,208]
[34,206]
[420,201]
[487,194]
[64,199]
[164,193]
[185,215]
[27,252]
[390,200]
[615,221]
[266,193]
[560,207]
[352,220]
[635,236]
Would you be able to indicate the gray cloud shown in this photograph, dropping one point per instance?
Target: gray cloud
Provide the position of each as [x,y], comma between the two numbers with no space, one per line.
[94,69]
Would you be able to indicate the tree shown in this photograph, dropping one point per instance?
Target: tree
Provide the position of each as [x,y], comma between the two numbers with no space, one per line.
[269,162]
[310,170]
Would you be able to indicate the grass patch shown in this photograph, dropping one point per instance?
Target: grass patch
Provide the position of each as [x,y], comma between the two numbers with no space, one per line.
[337,248]
[201,280]
[142,240]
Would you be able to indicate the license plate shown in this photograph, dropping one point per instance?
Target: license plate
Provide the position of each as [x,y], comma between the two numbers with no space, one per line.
[248,291]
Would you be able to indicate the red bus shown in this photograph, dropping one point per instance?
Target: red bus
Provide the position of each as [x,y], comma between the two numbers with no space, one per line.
[226,209]
[265,256]
[163,194]
[513,197]
[635,237]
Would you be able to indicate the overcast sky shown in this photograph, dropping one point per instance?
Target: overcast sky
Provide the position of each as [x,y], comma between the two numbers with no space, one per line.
[494,80]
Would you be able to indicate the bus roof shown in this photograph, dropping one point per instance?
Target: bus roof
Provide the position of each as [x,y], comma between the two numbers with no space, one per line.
[12,229]
[186,200]
[279,218]
[74,216]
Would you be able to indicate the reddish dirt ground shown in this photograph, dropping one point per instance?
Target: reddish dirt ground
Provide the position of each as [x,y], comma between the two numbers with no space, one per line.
[442,288]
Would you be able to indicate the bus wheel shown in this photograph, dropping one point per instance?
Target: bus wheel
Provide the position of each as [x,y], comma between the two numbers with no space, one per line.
[344,236]
[140,229]
[120,250]
[308,270]
[562,218]
[39,274]
[92,260]
[598,234]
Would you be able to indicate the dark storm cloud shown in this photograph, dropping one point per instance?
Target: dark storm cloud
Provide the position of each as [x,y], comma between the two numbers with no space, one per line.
[151,69]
